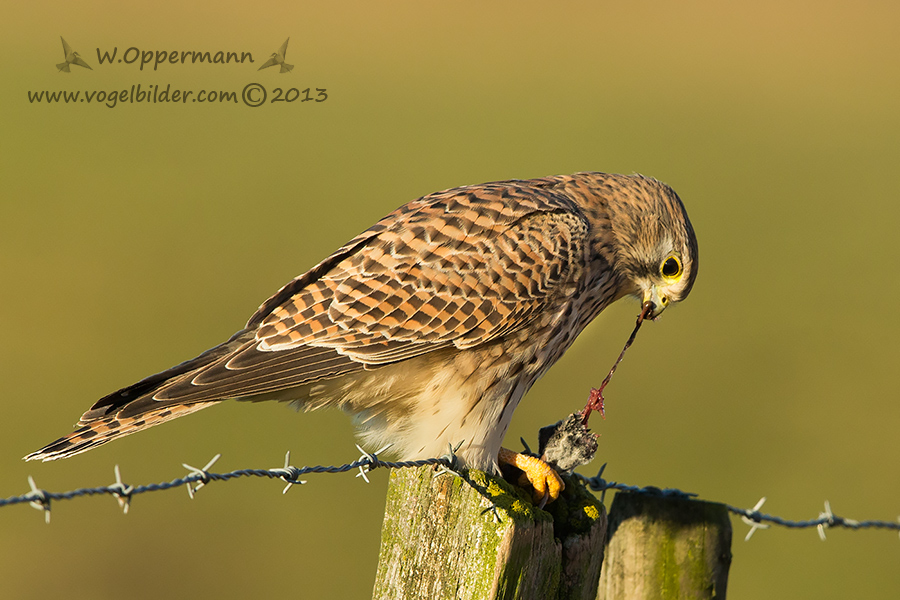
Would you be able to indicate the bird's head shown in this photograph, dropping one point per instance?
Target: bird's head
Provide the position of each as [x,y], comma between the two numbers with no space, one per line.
[653,242]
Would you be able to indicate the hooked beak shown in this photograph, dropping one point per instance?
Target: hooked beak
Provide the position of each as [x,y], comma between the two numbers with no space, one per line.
[658,299]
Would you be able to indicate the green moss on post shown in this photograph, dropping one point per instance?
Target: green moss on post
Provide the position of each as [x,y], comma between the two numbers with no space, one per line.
[484,539]
[665,548]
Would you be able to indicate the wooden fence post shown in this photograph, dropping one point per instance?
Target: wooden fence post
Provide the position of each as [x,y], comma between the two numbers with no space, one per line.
[481,538]
[665,548]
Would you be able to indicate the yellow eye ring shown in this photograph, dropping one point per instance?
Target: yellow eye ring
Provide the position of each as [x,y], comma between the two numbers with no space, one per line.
[671,268]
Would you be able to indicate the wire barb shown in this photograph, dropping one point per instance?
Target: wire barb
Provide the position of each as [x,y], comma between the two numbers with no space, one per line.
[121,491]
[367,461]
[493,510]
[828,521]
[450,462]
[291,474]
[202,475]
[754,519]
[526,449]
[39,499]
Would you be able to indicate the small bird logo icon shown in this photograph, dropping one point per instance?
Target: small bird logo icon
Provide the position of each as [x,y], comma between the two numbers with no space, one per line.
[72,58]
[278,59]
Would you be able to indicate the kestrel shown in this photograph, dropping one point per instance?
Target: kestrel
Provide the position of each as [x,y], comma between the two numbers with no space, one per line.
[430,326]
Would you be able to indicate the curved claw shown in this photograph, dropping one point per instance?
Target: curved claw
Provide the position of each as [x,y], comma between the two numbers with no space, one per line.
[546,483]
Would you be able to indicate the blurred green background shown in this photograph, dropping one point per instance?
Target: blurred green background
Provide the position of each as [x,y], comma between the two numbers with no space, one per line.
[133,238]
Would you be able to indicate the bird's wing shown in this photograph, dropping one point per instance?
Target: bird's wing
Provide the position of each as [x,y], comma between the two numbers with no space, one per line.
[455,268]
[269,63]
[80,62]
[67,49]
[282,52]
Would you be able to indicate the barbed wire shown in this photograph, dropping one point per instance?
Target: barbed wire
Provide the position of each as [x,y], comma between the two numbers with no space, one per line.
[41,499]
[198,477]
[750,516]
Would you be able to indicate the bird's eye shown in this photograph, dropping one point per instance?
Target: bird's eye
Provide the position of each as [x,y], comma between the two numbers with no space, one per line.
[671,268]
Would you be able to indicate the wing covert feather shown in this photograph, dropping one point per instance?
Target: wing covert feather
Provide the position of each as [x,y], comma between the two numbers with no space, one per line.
[460,267]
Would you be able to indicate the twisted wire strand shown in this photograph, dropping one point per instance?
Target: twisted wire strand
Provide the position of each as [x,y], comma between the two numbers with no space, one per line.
[197,478]
[751,516]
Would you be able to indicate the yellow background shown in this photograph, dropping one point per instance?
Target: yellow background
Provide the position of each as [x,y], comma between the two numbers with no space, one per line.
[133,238]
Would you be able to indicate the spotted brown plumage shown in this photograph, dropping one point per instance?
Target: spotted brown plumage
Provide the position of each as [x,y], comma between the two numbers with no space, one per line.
[431,325]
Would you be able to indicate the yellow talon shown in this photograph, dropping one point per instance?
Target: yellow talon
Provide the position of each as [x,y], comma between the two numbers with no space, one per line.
[546,482]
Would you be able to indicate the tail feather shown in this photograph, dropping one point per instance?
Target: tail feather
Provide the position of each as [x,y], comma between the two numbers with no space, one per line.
[105,429]
[200,382]
[145,388]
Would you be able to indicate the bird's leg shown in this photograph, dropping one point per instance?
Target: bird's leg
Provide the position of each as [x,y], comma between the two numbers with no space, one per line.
[546,482]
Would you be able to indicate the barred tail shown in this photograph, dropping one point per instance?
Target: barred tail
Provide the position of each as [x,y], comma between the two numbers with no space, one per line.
[104,429]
